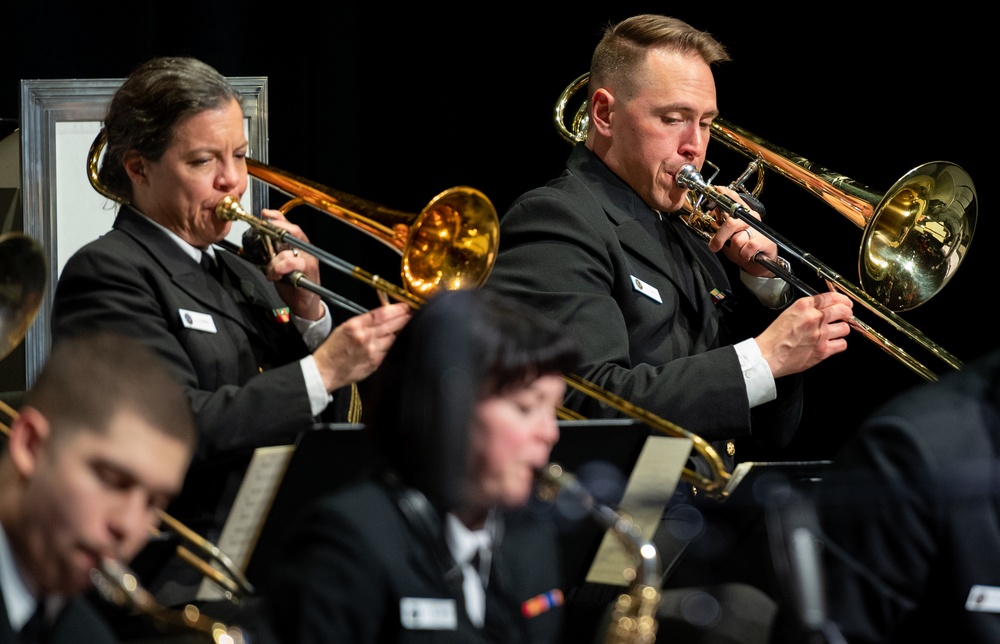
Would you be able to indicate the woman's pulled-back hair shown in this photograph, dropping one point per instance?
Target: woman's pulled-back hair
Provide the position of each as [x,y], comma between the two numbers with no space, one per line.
[150,103]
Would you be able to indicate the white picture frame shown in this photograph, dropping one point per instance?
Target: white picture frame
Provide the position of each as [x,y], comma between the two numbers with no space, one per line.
[60,119]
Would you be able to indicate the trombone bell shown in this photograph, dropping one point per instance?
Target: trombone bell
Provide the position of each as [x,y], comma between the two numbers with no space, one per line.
[451,244]
[915,234]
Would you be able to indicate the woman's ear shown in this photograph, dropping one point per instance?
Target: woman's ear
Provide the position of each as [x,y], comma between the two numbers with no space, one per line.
[134,166]
[29,433]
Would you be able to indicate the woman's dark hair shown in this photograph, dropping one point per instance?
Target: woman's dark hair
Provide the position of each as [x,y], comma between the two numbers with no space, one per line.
[459,348]
[150,103]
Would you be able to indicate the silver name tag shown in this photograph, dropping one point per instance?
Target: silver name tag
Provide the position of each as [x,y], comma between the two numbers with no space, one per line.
[422,613]
[648,290]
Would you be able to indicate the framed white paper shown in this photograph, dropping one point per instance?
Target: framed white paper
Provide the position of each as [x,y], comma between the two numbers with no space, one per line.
[59,121]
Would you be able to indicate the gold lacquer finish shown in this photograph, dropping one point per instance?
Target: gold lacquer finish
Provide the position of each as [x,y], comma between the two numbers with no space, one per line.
[451,244]
[117,584]
[714,486]
[916,233]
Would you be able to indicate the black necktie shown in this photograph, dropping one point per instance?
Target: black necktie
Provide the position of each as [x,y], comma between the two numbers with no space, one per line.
[211,266]
[33,630]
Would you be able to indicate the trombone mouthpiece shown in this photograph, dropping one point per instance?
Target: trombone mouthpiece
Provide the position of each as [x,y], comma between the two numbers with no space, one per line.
[689,177]
[229,209]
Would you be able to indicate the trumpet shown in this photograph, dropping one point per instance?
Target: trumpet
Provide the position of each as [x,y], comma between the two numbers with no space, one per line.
[916,234]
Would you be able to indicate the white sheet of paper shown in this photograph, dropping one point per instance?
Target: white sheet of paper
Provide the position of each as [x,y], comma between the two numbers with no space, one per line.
[246,519]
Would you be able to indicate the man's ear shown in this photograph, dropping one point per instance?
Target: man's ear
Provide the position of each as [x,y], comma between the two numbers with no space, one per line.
[29,433]
[134,166]
[601,104]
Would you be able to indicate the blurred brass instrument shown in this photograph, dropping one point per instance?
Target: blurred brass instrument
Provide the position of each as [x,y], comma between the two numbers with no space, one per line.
[227,575]
[715,486]
[633,618]
[118,585]
[916,234]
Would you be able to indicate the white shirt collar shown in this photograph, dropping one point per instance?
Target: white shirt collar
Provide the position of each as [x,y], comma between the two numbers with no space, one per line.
[193,251]
[17,595]
[464,543]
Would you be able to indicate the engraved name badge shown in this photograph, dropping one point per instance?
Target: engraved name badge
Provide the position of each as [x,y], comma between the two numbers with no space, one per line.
[648,290]
[423,613]
[983,599]
[197,321]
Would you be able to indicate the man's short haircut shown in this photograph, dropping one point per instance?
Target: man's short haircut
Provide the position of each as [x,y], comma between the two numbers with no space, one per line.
[90,378]
[624,46]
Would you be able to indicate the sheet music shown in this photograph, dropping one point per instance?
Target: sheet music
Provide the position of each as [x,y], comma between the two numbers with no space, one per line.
[246,519]
[650,486]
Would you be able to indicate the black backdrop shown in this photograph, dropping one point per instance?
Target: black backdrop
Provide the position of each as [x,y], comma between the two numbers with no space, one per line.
[394,106]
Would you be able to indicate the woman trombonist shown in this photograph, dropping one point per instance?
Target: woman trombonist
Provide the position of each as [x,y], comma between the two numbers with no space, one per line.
[464,414]
[261,360]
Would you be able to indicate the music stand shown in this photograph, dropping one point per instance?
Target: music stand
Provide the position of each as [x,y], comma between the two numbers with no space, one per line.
[602,454]
[325,458]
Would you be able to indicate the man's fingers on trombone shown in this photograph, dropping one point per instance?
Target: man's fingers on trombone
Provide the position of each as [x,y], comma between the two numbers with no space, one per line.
[837,310]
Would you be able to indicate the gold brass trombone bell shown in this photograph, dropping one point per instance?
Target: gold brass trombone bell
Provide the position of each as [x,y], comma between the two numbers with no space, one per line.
[23,274]
[451,244]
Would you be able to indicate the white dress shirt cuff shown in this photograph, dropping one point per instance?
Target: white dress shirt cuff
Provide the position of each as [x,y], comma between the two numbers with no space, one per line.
[319,397]
[773,292]
[313,333]
[756,373]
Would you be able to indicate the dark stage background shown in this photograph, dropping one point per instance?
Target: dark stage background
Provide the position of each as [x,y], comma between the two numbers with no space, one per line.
[395,106]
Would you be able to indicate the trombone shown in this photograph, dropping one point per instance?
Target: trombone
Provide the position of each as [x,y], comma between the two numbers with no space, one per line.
[916,234]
